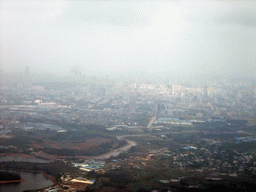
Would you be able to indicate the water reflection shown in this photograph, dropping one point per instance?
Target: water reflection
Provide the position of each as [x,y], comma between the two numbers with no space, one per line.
[33,181]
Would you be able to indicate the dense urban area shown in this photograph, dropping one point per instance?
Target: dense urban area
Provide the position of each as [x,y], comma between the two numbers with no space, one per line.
[129,134]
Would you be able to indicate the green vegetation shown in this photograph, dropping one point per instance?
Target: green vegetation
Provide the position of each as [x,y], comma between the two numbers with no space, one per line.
[147,180]
[251,129]
[53,169]
[240,147]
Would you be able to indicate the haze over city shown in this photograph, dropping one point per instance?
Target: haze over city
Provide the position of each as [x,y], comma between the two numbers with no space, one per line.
[159,38]
[134,96]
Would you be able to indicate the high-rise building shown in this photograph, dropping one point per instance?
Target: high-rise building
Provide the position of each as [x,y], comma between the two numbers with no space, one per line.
[177,89]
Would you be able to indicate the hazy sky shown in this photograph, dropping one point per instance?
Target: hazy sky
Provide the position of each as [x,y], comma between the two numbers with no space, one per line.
[162,37]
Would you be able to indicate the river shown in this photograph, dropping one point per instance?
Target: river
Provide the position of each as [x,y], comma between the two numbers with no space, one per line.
[116,152]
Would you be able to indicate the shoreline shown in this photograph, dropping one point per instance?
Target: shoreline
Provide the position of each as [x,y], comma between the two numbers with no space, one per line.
[52,178]
[12,181]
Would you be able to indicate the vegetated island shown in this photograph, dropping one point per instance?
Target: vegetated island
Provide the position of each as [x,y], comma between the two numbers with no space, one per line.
[7,177]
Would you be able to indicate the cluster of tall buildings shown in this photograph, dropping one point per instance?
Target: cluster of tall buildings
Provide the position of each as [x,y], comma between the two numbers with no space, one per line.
[179,90]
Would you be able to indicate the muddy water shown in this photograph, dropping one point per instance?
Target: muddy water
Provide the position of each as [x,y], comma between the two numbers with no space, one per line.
[116,152]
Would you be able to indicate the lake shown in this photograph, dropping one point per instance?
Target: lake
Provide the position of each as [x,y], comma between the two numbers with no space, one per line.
[33,181]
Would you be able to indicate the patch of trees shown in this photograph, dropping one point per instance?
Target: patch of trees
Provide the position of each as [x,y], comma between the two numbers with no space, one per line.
[122,179]
[20,141]
[104,148]
[50,168]
[120,143]
[59,136]
[75,136]
[60,152]
[240,147]
[185,138]
[8,150]
[134,149]
[118,178]
[72,127]
[93,151]
[7,176]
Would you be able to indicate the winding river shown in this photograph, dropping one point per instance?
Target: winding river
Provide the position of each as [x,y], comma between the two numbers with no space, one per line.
[116,152]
